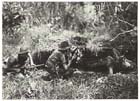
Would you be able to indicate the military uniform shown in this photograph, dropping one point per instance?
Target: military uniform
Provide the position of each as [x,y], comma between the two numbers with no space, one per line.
[57,61]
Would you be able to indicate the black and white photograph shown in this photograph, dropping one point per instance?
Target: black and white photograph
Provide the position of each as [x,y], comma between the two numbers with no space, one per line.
[69,50]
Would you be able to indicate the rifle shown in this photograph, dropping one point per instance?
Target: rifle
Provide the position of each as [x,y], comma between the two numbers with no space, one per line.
[74,52]
[39,66]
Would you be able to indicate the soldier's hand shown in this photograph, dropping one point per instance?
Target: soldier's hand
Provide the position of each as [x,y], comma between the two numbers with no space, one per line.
[74,56]
[65,67]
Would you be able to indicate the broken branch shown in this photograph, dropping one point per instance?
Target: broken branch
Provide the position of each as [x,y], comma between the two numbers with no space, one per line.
[126,22]
[121,34]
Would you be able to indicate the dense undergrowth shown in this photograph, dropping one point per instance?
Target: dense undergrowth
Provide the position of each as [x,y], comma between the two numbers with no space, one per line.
[42,38]
[42,25]
[79,86]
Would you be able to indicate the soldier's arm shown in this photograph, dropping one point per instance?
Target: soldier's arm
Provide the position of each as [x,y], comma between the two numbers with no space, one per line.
[64,63]
[66,66]
[74,56]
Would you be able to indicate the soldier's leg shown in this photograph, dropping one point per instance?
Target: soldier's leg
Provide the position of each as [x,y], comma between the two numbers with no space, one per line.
[68,73]
[61,72]
[52,73]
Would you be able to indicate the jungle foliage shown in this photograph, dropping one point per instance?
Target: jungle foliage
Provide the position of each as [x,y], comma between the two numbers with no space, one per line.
[42,25]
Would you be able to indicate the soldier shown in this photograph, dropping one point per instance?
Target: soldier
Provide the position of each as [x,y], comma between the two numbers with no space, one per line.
[58,63]
[17,63]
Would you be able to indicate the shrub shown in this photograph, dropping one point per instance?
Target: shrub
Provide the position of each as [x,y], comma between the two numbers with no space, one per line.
[80,86]
[118,86]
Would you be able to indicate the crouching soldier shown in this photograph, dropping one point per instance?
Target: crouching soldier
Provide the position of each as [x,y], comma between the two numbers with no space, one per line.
[58,63]
[18,63]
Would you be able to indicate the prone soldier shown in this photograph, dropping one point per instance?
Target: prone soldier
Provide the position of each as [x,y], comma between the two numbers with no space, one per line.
[17,63]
